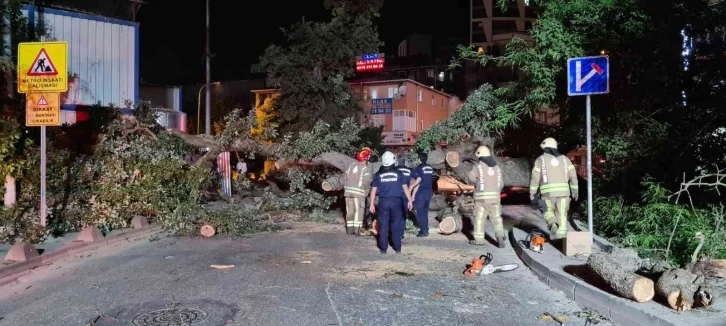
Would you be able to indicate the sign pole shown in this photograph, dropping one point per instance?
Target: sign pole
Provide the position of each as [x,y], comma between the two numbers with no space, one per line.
[43,145]
[588,117]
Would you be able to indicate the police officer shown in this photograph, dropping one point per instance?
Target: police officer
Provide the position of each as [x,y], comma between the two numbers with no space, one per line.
[387,185]
[556,178]
[423,189]
[357,180]
[487,201]
[401,166]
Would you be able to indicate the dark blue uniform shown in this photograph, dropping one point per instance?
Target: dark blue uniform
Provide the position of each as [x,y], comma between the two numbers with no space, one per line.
[422,201]
[407,181]
[389,184]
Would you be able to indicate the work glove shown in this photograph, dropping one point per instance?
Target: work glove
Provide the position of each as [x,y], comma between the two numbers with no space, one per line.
[575,195]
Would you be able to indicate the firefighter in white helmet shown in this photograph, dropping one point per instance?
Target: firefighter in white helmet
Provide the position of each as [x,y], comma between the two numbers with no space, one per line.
[487,177]
[556,178]
[387,185]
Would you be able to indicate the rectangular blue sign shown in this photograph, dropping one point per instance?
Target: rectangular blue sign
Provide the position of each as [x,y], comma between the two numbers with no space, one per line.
[382,106]
[588,76]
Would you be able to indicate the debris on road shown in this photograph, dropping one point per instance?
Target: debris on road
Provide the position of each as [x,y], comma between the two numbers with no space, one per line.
[396,296]
[222,266]
[439,294]
[559,319]
[306,262]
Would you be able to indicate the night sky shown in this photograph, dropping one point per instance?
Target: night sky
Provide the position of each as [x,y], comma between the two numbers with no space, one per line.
[173,39]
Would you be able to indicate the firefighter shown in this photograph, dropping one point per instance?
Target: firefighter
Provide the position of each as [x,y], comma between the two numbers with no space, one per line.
[556,178]
[357,182]
[387,185]
[423,189]
[487,201]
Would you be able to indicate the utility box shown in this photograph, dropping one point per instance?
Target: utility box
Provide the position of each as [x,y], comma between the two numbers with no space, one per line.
[577,244]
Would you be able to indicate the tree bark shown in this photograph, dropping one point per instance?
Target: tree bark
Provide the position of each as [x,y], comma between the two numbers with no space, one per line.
[710,268]
[683,290]
[438,202]
[625,283]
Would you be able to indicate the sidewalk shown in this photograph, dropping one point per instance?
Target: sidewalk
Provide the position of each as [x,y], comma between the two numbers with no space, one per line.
[558,271]
[57,248]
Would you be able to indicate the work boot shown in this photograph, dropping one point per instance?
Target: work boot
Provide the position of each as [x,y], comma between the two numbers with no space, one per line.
[553,229]
[476,242]
[501,242]
[422,235]
[348,230]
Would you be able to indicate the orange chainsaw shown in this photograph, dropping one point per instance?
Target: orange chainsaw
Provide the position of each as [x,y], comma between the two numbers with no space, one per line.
[481,266]
[534,241]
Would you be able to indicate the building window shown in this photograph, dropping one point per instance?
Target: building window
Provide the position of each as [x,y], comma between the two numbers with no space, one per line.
[404,120]
[378,120]
[392,91]
[402,74]
[374,93]
[443,103]
[433,99]
[441,76]
[420,95]
[414,75]
[429,73]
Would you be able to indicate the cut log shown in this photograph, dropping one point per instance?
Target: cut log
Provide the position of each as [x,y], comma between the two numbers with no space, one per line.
[451,222]
[710,268]
[624,282]
[452,159]
[683,290]
[628,259]
[334,182]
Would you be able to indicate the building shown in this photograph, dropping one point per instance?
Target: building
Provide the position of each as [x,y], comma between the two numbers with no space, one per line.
[404,108]
[418,59]
[103,59]
[492,28]
[168,102]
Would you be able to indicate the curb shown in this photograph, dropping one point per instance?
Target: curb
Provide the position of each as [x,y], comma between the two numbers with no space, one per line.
[620,311]
[16,270]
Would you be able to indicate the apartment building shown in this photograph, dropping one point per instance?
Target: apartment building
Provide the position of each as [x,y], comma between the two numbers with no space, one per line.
[404,108]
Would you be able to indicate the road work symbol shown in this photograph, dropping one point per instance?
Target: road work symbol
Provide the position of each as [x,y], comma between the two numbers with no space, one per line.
[42,101]
[588,76]
[42,66]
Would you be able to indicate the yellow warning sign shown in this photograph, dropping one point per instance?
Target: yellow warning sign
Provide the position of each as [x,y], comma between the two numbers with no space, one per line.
[42,109]
[42,67]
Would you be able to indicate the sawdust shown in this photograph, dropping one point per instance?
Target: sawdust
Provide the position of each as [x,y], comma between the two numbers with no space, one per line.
[437,254]
[379,269]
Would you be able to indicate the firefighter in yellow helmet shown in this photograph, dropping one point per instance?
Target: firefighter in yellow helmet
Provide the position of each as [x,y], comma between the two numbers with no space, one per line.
[487,178]
[556,178]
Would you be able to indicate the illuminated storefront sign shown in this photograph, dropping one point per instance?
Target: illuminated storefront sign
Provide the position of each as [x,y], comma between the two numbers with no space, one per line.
[370,62]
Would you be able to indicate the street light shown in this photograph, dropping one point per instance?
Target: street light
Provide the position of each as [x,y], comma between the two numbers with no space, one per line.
[199,104]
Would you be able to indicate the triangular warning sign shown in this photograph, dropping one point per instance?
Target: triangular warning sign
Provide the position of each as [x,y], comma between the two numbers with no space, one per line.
[42,101]
[42,65]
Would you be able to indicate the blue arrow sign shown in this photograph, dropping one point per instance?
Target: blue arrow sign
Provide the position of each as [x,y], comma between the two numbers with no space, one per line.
[588,76]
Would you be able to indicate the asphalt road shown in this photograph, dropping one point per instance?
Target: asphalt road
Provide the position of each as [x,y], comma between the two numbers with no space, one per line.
[312,274]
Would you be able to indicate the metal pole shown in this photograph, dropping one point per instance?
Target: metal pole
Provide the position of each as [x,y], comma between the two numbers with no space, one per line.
[588,117]
[43,204]
[208,112]
[199,107]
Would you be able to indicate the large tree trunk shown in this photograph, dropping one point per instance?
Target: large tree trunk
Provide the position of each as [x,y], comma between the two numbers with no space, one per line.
[710,268]
[451,222]
[625,283]
[683,290]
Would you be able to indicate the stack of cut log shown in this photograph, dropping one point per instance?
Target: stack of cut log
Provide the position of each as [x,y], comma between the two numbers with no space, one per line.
[640,280]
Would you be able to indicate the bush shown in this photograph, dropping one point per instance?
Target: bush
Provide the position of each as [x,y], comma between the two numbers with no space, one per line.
[649,225]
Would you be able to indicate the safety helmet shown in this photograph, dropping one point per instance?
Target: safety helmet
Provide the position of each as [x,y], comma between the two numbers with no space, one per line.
[364,155]
[483,151]
[388,159]
[549,142]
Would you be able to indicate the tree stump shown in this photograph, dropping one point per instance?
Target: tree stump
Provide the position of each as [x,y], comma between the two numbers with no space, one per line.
[683,290]
[451,222]
[625,283]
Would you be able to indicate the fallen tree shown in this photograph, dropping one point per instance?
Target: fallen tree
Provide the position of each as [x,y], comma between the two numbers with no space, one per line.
[683,290]
[621,277]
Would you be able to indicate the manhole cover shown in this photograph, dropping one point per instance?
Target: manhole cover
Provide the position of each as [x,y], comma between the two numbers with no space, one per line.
[171,317]
[172,313]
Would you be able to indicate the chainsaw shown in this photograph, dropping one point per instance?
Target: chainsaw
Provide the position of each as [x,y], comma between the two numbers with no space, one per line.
[534,241]
[481,266]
